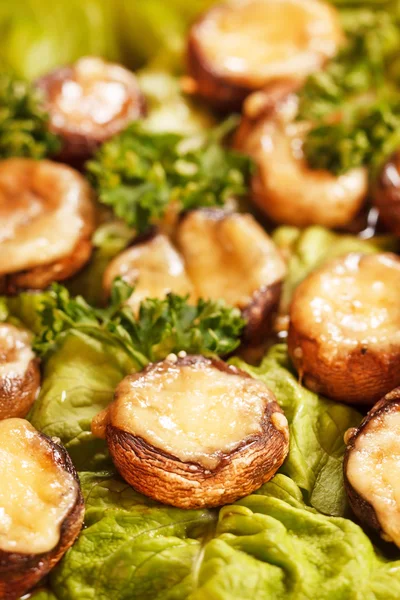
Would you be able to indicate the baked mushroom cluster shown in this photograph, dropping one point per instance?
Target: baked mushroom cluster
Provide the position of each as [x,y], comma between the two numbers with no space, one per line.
[209,257]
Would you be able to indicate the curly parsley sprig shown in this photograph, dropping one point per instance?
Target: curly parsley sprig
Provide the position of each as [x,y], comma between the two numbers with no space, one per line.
[140,173]
[23,122]
[160,327]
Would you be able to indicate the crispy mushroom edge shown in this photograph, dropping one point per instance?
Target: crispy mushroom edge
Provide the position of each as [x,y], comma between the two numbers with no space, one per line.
[386,195]
[362,509]
[167,479]
[20,572]
[17,394]
[78,146]
[360,376]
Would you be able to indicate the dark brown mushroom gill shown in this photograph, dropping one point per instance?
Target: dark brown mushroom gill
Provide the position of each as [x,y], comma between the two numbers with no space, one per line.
[192,431]
[41,506]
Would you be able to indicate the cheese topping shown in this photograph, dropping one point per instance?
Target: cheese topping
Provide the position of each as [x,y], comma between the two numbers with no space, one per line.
[95,94]
[15,351]
[228,256]
[36,494]
[194,412]
[45,208]
[351,302]
[373,469]
[287,189]
[154,268]
[262,40]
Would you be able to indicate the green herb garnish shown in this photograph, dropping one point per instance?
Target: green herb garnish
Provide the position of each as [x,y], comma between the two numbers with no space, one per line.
[139,173]
[159,328]
[366,138]
[23,122]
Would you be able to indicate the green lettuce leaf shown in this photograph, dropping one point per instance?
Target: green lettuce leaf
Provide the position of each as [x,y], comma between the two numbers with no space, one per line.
[131,547]
[41,594]
[317,427]
[271,546]
[78,382]
[309,248]
[268,546]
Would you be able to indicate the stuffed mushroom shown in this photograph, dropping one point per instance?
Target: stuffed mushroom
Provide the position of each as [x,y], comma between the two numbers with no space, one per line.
[229,256]
[153,266]
[41,506]
[344,332]
[240,46]
[192,431]
[19,372]
[372,468]
[284,187]
[47,220]
[387,193]
[89,102]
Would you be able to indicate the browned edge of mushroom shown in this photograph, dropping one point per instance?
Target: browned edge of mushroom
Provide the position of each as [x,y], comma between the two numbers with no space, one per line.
[17,394]
[167,479]
[362,509]
[386,195]
[361,375]
[79,144]
[41,277]
[20,572]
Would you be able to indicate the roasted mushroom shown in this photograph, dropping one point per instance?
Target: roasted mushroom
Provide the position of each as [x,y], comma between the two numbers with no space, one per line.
[89,102]
[240,46]
[372,468]
[229,256]
[19,372]
[47,220]
[153,266]
[193,432]
[41,506]
[387,194]
[344,332]
[284,187]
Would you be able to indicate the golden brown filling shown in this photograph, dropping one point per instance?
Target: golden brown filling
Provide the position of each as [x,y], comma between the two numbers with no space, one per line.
[350,302]
[15,351]
[373,470]
[194,412]
[264,40]
[45,209]
[36,494]
[155,269]
[228,256]
[96,94]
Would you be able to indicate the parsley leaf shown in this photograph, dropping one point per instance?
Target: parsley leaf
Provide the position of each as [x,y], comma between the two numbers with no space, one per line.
[159,328]
[363,65]
[366,138]
[23,123]
[139,173]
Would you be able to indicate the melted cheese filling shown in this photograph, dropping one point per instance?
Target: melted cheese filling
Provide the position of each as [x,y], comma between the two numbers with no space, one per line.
[154,268]
[194,413]
[44,208]
[35,493]
[288,190]
[228,257]
[96,95]
[373,470]
[353,301]
[263,40]
[15,352]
